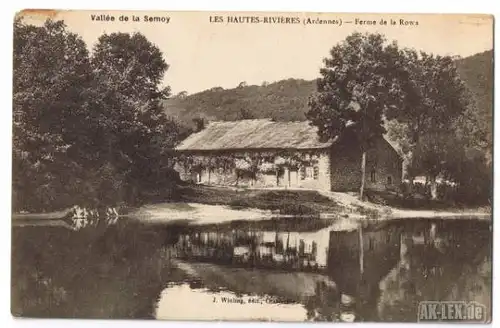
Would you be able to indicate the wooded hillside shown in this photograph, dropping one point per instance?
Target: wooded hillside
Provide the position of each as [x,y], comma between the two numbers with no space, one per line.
[477,72]
[286,100]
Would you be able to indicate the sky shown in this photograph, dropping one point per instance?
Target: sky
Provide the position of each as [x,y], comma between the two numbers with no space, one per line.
[203,54]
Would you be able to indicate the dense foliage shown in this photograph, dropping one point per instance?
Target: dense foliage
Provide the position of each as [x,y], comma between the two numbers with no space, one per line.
[442,132]
[433,98]
[423,102]
[88,128]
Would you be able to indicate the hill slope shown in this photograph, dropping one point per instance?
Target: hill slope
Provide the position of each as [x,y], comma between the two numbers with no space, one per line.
[286,100]
[477,72]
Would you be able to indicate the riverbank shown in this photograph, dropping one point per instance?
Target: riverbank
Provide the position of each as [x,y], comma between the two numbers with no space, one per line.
[309,203]
[216,205]
[198,204]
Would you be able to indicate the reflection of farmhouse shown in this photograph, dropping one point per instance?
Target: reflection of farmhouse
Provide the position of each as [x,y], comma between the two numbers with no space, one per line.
[347,256]
[367,254]
[274,249]
[264,153]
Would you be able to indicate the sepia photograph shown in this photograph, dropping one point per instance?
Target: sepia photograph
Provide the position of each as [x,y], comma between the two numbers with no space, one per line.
[252,166]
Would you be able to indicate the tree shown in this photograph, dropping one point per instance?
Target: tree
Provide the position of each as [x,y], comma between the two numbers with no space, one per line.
[128,71]
[51,76]
[88,131]
[245,114]
[182,95]
[432,98]
[199,123]
[472,167]
[359,81]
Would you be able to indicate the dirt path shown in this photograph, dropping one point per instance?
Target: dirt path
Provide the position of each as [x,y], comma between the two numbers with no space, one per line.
[353,203]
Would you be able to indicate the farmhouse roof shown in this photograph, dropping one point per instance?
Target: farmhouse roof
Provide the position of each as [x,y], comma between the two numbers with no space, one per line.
[254,134]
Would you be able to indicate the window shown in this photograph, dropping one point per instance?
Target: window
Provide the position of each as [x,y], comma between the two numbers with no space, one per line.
[303,173]
[389,180]
[372,176]
[309,172]
[316,173]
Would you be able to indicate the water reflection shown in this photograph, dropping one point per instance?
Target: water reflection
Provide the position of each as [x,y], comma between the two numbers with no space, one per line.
[80,217]
[331,264]
[289,250]
[269,270]
[375,272]
[452,263]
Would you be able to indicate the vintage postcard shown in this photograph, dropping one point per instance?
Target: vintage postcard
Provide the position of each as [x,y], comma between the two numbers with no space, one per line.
[254,166]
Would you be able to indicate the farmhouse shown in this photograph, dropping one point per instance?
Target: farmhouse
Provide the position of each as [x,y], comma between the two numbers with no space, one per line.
[264,153]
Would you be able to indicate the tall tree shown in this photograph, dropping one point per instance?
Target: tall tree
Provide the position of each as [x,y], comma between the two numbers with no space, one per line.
[51,75]
[86,130]
[128,72]
[359,81]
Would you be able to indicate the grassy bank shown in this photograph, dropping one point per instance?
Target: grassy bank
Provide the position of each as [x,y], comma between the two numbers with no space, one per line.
[285,202]
[312,203]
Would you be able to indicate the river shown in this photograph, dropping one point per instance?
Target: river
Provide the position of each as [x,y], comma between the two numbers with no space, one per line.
[260,270]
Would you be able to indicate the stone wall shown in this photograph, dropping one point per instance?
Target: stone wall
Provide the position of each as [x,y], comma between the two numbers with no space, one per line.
[383,167]
[345,168]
